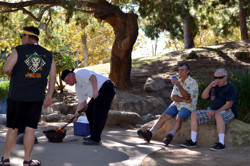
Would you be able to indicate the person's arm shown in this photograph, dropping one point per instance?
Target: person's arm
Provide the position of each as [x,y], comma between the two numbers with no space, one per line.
[205,93]
[10,63]
[52,80]
[184,93]
[80,106]
[177,98]
[226,106]
[93,81]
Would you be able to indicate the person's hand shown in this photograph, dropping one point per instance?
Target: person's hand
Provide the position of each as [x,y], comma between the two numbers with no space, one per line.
[76,116]
[175,81]
[95,94]
[187,101]
[211,114]
[214,83]
[47,101]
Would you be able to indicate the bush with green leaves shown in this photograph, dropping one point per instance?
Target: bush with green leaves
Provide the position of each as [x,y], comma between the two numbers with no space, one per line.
[63,61]
[241,79]
[4,89]
[2,74]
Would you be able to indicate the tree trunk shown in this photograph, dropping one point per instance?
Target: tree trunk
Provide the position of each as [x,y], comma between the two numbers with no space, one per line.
[243,22]
[187,21]
[125,27]
[84,45]
[126,32]
[188,34]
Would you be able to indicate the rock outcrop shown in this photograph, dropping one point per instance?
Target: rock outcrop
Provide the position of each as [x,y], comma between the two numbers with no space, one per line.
[237,133]
[122,119]
[134,103]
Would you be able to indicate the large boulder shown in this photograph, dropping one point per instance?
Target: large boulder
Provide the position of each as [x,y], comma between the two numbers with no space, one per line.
[154,84]
[122,119]
[54,117]
[237,133]
[134,103]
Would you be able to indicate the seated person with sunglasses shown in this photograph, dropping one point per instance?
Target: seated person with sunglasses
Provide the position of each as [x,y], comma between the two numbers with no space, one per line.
[223,109]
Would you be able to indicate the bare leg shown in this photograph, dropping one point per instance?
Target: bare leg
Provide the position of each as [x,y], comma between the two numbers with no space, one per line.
[163,118]
[220,123]
[28,141]
[177,124]
[10,142]
[194,122]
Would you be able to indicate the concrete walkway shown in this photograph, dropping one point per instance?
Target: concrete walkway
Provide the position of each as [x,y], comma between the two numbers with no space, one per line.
[120,147]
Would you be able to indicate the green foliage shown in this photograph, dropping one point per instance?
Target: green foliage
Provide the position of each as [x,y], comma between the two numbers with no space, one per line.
[4,89]
[203,83]
[241,79]
[220,16]
[163,15]
[2,74]
[63,61]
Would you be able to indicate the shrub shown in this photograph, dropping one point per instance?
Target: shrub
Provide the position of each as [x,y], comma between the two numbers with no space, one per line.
[241,79]
[4,89]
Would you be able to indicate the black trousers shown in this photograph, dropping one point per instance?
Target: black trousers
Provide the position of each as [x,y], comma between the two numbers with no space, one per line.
[97,111]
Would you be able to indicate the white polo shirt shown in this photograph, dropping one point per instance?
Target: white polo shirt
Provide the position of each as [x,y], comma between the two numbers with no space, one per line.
[83,86]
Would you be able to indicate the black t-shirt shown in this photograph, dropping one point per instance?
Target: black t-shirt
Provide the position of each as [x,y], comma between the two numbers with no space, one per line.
[29,75]
[220,95]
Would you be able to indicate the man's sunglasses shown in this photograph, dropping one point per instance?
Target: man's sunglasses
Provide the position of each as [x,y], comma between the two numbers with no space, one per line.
[21,35]
[219,77]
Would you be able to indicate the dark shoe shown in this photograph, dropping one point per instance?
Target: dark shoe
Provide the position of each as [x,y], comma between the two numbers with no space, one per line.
[168,139]
[4,162]
[189,144]
[20,137]
[32,163]
[91,142]
[218,146]
[146,135]
[86,138]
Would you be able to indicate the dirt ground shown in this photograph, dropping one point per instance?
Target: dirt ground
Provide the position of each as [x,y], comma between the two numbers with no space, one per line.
[209,58]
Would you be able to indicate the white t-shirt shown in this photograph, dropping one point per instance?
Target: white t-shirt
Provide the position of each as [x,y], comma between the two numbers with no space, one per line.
[83,86]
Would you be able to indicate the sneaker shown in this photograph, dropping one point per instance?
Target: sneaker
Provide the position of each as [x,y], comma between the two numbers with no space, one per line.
[86,138]
[218,146]
[146,135]
[189,144]
[168,139]
[91,142]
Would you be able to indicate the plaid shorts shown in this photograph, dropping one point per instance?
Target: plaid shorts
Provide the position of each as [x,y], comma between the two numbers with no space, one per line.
[202,117]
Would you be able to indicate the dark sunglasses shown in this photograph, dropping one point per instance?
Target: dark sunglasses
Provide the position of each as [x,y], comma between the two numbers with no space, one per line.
[219,77]
[21,35]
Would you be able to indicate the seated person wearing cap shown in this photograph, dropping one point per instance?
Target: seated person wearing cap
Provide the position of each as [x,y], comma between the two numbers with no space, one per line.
[89,84]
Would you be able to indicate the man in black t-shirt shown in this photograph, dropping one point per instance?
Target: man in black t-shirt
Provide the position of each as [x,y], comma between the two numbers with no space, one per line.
[223,108]
[28,67]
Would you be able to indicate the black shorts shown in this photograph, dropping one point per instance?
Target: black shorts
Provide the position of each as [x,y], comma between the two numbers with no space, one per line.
[21,114]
